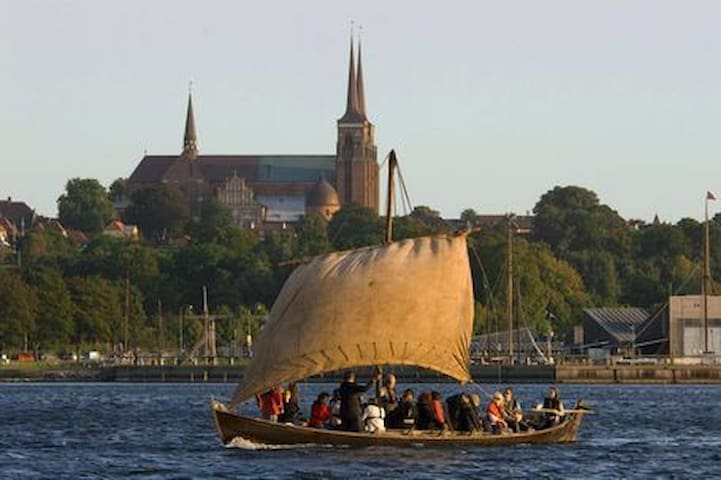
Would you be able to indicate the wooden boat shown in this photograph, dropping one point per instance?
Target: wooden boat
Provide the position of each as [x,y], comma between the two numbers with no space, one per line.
[408,302]
[264,432]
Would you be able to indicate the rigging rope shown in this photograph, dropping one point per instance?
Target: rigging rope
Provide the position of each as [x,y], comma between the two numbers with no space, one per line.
[480,389]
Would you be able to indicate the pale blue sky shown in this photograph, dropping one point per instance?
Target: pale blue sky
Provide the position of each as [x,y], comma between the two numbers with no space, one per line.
[488,104]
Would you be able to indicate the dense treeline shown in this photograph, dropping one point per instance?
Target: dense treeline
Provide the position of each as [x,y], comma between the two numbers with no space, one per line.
[62,297]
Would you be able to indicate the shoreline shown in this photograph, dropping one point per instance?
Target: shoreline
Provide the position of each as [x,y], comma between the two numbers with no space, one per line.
[494,374]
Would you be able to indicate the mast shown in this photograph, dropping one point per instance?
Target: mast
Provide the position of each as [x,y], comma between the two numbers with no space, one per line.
[509,298]
[706,272]
[392,164]
[126,313]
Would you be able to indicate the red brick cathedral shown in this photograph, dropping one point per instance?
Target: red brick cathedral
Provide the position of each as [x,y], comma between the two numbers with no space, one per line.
[266,189]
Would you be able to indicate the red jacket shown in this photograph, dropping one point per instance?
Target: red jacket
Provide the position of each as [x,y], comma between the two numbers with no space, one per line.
[319,414]
[495,410]
[438,412]
[271,402]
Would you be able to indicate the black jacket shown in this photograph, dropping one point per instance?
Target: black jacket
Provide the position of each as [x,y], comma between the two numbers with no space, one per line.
[403,416]
[350,403]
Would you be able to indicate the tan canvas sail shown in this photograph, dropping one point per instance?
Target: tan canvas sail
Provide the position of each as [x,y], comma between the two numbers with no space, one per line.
[409,302]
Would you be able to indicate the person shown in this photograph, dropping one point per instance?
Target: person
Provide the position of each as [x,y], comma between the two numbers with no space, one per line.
[291,410]
[469,419]
[430,411]
[334,404]
[453,404]
[387,395]
[494,412]
[553,402]
[439,419]
[405,415]
[463,412]
[320,412]
[270,403]
[513,413]
[350,401]
[374,417]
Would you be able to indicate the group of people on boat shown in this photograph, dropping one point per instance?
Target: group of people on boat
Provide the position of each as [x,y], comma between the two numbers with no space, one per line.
[345,409]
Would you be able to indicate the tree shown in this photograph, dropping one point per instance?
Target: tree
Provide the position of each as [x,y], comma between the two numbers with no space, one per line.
[118,189]
[117,260]
[17,310]
[572,219]
[214,225]
[159,212]
[430,218]
[589,235]
[47,246]
[85,205]
[693,232]
[469,217]
[599,270]
[312,236]
[203,265]
[54,315]
[409,226]
[660,241]
[97,311]
[543,283]
[354,226]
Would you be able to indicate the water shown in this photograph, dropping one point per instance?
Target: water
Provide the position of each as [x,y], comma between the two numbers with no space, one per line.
[166,431]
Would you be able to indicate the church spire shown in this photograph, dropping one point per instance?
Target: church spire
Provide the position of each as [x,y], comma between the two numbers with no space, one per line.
[361,98]
[190,140]
[351,115]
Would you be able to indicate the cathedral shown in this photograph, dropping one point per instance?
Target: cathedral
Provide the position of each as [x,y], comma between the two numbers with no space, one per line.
[276,189]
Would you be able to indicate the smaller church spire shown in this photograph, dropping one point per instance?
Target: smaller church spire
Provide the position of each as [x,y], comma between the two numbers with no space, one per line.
[361,97]
[351,114]
[190,140]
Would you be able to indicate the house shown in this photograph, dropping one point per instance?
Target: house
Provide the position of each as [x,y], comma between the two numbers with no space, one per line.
[19,213]
[118,229]
[611,330]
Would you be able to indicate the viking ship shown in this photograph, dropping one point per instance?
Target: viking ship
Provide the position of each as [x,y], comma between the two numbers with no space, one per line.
[408,302]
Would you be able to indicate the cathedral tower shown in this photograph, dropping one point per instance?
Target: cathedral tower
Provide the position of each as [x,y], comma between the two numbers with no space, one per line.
[356,155]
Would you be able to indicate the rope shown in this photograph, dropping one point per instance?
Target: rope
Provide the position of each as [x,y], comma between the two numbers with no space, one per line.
[480,389]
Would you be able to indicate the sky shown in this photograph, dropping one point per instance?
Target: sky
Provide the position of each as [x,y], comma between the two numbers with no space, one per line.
[488,104]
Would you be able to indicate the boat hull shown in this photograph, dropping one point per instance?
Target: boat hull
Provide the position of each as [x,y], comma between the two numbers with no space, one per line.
[230,426]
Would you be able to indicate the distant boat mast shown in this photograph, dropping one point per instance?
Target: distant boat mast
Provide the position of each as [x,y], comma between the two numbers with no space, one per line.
[706,273]
[509,291]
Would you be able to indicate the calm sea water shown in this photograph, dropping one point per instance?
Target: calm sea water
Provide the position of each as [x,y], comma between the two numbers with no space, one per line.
[166,431]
